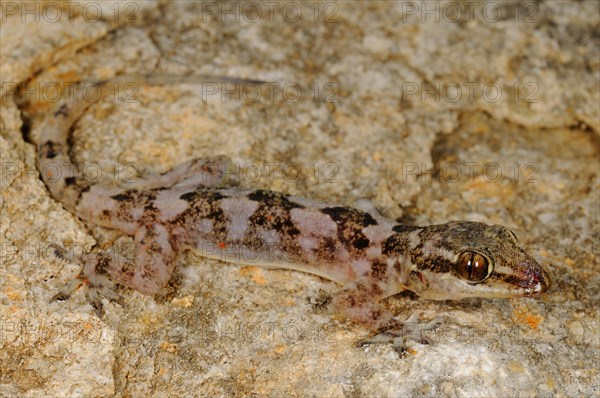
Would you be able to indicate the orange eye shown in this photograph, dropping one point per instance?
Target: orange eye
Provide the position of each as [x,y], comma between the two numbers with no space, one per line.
[473,267]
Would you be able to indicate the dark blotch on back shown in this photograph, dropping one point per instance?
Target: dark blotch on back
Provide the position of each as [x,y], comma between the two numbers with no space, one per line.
[271,198]
[350,223]
[341,214]
[120,197]
[188,196]
[134,199]
[378,269]
[404,228]
[326,249]
[193,195]
[273,213]
[361,243]
[204,204]
[396,243]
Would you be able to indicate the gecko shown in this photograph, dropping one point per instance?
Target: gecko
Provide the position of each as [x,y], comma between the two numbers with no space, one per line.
[196,206]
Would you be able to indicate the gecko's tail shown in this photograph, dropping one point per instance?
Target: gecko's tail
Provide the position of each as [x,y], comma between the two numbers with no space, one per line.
[63,178]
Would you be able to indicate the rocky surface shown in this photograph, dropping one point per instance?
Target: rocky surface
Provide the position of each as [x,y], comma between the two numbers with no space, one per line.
[440,112]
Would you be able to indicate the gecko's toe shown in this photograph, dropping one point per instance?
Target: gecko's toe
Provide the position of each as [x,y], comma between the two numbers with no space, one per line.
[94,295]
[424,341]
[60,296]
[67,290]
[107,290]
[381,338]
[407,333]
[61,253]
[58,251]
[95,301]
[94,291]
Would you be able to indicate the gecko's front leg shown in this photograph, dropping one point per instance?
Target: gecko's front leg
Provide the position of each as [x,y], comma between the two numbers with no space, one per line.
[359,302]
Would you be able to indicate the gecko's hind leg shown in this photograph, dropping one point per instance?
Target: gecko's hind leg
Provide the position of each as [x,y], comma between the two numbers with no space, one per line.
[94,278]
[146,268]
[210,172]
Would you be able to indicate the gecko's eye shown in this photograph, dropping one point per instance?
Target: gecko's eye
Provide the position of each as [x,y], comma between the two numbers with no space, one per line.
[473,267]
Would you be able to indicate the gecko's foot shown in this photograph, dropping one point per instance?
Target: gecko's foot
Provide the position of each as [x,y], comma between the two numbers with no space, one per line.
[94,291]
[59,252]
[405,334]
[63,254]
[67,290]
[94,296]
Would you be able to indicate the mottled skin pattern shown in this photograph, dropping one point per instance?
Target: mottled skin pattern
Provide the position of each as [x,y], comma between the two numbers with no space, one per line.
[193,205]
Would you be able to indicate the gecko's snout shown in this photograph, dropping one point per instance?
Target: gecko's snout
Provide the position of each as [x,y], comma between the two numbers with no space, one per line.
[545,282]
[538,280]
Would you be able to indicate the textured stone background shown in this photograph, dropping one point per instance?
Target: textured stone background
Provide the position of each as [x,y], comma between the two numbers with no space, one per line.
[490,114]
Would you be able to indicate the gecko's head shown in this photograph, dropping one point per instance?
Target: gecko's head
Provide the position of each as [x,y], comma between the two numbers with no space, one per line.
[472,259]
